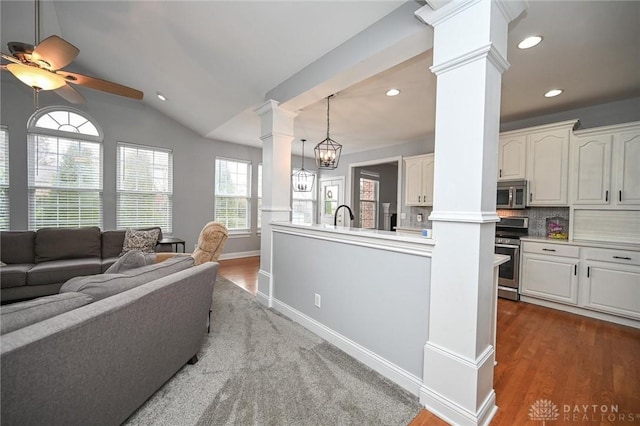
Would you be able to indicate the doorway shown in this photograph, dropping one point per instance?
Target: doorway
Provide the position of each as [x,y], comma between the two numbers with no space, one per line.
[375,188]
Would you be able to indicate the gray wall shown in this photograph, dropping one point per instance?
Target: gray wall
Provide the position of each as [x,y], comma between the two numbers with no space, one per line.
[383,308]
[131,121]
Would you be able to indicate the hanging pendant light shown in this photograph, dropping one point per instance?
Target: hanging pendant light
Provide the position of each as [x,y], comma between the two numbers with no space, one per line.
[302,180]
[328,151]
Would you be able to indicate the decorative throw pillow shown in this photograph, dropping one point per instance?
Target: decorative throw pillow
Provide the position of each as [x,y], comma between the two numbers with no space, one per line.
[131,259]
[144,241]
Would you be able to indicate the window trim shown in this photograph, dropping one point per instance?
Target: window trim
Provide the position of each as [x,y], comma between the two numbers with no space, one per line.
[165,230]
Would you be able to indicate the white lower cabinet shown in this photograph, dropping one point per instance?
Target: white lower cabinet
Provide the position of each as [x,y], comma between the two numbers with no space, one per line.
[611,281]
[549,276]
[588,278]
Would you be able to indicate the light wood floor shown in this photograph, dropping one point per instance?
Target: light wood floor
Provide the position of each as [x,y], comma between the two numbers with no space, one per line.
[542,353]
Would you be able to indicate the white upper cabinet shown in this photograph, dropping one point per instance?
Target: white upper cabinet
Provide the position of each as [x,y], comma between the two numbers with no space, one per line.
[606,166]
[591,158]
[627,146]
[418,185]
[512,154]
[548,166]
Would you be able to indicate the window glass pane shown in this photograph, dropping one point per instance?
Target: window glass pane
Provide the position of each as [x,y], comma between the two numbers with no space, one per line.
[368,203]
[232,193]
[4,179]
[144,187]
[303,204]
[259,196]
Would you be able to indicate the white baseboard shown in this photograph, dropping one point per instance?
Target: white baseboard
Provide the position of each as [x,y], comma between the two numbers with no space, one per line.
[239,255]
[453,413]
[391,371]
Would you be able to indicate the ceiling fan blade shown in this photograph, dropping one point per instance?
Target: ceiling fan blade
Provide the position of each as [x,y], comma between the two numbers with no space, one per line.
[10,58]
[103,85]
[70,94]
[54,53]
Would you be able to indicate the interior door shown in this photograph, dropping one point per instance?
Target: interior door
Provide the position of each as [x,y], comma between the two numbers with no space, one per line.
[331,196]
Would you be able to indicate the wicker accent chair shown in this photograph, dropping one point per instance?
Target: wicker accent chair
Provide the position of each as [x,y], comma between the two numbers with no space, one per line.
[210,244]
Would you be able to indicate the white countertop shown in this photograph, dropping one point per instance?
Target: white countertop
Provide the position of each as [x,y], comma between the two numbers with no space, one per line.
[599,244]
[360,232]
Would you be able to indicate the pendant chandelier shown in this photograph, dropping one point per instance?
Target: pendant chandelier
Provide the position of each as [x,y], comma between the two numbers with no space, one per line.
[328,151]
[302,180]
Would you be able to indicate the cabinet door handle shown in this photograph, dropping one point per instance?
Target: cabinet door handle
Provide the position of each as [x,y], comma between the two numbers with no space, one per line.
[606,196]
[620,196]
[418,198]
[575,269]
[622,257]
[588,271]
[500,172]
[531,196]
[546,249]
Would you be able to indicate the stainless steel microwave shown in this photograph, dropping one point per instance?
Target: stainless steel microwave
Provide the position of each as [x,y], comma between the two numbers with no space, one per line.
[512,194]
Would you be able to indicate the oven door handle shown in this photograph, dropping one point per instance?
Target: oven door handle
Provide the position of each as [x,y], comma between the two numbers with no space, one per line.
[507,246]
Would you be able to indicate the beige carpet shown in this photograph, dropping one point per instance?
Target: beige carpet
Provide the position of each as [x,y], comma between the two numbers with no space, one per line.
[257,367]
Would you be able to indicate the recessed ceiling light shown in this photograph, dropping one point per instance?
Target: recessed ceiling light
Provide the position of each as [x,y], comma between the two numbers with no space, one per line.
[393,92]
[529,42]
[161,96]
[553,92]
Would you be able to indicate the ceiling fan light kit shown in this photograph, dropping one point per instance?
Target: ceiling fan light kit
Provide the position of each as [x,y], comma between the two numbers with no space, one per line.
[328,151]
[38,78]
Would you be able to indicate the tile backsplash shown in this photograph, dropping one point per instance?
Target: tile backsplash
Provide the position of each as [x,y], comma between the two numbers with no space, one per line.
[538,217]
[412,213]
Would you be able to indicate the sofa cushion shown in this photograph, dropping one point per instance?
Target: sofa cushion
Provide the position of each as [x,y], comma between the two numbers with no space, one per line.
[17,246]
[22,314]
[142,240]
[14,275]
[67,243]
[106,285]
[112,242]
[59,271]
[130,260]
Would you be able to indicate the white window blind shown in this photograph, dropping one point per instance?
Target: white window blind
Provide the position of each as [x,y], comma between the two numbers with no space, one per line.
[368,203]
[233,193]
[4,179]
[144,187]
[303,205]
[65,182]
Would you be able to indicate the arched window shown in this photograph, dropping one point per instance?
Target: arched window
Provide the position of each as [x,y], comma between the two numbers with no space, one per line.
[65,169]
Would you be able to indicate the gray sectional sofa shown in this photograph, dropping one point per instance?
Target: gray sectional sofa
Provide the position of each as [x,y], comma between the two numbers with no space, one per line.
[39,262]
[98,350]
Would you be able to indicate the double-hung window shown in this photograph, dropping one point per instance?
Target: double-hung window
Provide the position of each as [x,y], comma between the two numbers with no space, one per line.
[233,194]
[368,203]
[144,187]
[4,179]
[65,169]
[259,196]
[303,205]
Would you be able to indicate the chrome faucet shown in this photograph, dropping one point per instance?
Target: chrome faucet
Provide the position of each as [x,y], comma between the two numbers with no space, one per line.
[335,216]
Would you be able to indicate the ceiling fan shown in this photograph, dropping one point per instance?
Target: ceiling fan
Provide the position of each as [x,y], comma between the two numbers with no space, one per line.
[40,67]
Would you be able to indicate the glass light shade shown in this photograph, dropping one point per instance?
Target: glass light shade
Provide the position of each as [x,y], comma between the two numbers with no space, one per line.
[36,77]
[302,181]
[327,154]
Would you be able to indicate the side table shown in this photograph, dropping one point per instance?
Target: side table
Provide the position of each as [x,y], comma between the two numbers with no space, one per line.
[173,242]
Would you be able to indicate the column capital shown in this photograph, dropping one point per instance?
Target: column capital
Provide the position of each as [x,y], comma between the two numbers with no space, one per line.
[275,119]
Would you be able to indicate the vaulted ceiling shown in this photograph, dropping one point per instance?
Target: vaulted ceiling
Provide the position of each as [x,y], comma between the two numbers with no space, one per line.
[216,61]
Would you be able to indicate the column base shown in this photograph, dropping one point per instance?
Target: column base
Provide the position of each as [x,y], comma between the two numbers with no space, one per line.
[460,391]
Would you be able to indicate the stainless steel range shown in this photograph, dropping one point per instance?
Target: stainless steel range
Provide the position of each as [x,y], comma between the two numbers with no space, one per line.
[508,233]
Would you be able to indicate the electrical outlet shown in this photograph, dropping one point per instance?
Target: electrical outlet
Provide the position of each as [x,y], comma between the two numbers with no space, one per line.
[419,217]
[317,300]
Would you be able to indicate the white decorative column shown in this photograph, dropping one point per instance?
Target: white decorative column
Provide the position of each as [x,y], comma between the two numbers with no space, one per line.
[276,135]
[469,57]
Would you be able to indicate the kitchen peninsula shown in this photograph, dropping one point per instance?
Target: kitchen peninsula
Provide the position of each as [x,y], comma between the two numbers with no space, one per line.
[365,291]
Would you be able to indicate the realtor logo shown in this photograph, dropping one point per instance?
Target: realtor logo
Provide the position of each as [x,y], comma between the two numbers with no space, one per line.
[544,409]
